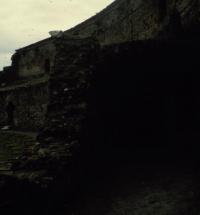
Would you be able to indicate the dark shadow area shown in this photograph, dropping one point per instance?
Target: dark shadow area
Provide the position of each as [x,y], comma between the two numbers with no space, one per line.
[146,95]
[162,5]
[10,108]
[139,148]
[47,66]
[144,119]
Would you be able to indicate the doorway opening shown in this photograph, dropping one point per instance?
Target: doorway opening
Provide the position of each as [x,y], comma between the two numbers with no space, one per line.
[47,66]
[10,108]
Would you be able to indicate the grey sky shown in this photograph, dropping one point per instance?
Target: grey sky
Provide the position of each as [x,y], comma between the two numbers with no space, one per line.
[23,22]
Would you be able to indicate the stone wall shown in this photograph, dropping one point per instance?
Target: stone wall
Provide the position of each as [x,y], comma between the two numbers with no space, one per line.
[63,133]
[126,20]
[91,90]
[68,89]
[7,76]
[104,101]
[35,59]
[30,102]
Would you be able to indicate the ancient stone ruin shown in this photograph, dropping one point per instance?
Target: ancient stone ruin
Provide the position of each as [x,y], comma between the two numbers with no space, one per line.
[104,119]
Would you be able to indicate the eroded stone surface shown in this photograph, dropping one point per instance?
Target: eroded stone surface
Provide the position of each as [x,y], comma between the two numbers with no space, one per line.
[126,20]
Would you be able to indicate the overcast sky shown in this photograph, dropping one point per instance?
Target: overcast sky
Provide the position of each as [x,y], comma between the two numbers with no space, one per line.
[23,22]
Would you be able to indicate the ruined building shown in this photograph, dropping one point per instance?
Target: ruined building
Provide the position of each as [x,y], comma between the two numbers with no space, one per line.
[122,21]
[118,89]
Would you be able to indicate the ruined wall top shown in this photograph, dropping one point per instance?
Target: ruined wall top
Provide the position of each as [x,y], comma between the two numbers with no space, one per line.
[128,20]
[122,21]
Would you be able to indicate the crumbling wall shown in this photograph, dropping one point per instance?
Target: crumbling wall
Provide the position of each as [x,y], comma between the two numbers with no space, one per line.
[57,154]
[68,89]
[126,20]
[101,109]
[29,102]
[34,60]
[7,76]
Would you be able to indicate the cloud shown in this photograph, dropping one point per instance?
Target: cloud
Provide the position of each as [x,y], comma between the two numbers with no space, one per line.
[23,22]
